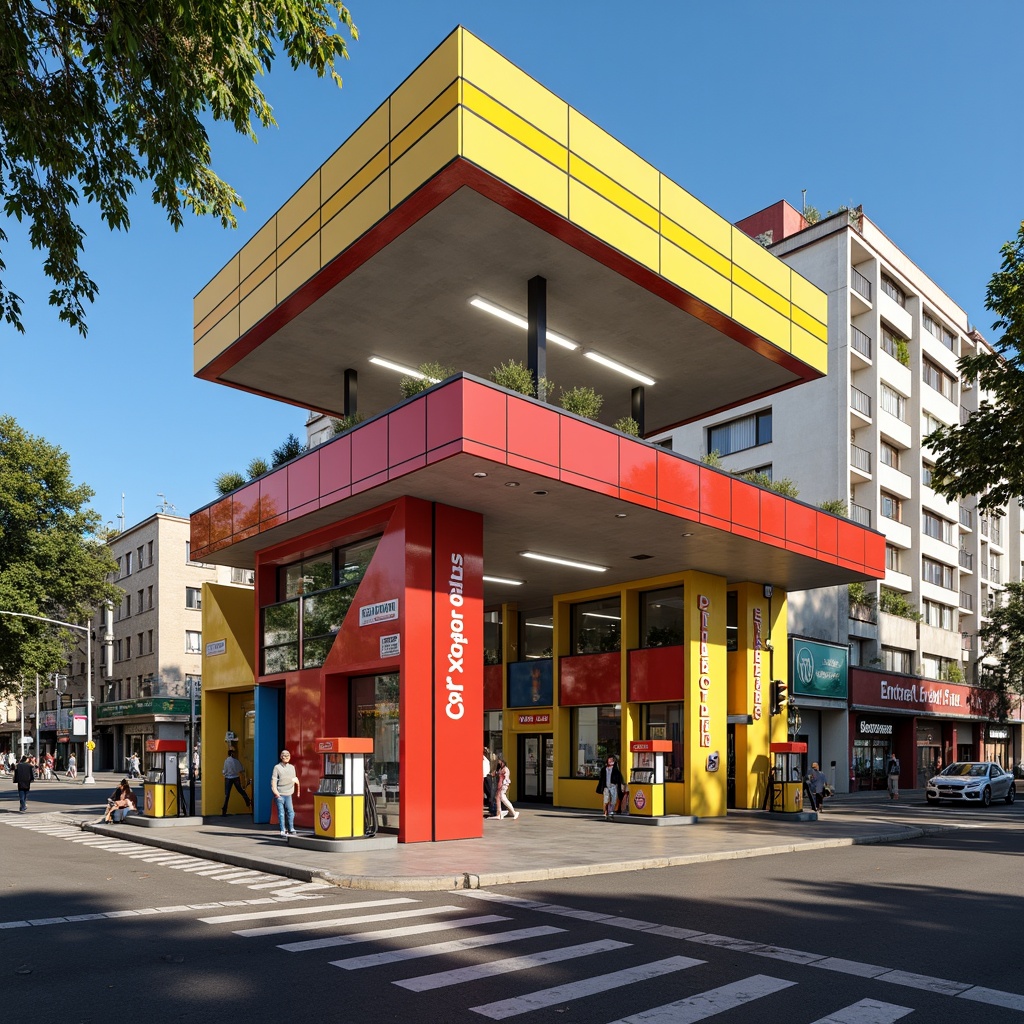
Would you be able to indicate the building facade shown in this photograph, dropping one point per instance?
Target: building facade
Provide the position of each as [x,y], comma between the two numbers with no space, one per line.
[858,436]
[471,565]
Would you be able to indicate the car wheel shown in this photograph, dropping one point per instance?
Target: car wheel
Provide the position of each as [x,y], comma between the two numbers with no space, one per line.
[986,797]
[1011,794]
[932,799]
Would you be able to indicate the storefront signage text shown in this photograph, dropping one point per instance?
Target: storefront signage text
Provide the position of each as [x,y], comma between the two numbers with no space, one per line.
[455,708]
[757,665]
[382,611]
[215,647]
[921,693]
[704,680]
[875,728]
[390,646]
[819,670]
[534,719]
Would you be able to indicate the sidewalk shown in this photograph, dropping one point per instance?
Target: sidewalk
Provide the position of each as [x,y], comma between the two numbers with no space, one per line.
[543,843]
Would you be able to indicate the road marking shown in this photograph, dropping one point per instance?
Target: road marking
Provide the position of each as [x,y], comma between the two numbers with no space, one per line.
[295,911]
[707,1004]
[491,969]
[923,981]
[391,933]
[356,963]
[867,1011]
[394,915]
[586,987]
[855,967]
[1011,1000]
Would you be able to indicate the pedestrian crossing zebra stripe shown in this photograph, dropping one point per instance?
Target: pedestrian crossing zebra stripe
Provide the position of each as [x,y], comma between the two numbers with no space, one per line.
[706,1004]
[392,933]
[389,901]
[571,990]
[395,915]
[508,965]
[867,1011]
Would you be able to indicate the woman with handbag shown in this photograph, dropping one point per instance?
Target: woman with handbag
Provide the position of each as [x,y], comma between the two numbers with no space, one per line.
[609,784]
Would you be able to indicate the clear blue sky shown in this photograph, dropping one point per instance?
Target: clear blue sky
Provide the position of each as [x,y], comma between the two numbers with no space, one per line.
[911,108]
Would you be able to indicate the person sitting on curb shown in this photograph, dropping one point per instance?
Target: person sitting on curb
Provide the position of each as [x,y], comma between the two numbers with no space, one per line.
[120,804]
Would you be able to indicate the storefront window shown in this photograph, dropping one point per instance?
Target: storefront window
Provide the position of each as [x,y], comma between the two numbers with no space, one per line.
[374,713]
[732,621]
[661,617]
[492,638]
[492,733]
[537,635]
[665,722]
[596,732]
[281,638]
[597,626]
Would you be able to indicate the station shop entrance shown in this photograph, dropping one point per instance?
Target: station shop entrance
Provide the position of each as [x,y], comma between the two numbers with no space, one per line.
[535,772]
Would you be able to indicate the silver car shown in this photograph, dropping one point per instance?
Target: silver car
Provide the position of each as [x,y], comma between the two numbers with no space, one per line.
[972,782]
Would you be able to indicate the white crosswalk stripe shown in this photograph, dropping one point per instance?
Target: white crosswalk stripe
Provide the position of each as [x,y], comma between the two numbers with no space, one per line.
[867,1011]
[503,1008]
[707,1004]
[395,915]
[295,912]
[386,934]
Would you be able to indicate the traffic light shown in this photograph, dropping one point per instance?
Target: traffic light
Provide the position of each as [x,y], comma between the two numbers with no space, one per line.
[780,696]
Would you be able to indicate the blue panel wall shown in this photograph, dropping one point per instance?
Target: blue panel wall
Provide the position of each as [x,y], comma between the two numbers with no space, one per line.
[266,747]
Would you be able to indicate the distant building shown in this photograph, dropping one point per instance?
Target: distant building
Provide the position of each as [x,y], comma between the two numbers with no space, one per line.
[857,435]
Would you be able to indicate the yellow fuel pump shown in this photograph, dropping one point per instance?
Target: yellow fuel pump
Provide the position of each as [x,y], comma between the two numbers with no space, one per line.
[160,790]
[340,799]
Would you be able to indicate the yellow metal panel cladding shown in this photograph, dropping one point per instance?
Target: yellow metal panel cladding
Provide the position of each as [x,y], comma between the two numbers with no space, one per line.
[360,148]
[606,221]
[228,614]
[678,205]
[761,291]
[369,173]
[419,126]
[427,82]
[611,157]
[809,349]
[760,318]
[215,340]
[600,183]
[298,269]
[257,304]
[255,252]
[809,298]
[356,218]
[297,211]
[808,323]
[515,126]
[756,260]
[436,149]
[696,277]
[217,290]
[506,159]
[298,238]
[258,276]
[491,73]
[215,316]
[693,245]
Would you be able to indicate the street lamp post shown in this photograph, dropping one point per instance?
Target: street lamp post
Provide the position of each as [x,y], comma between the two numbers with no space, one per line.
[87,630]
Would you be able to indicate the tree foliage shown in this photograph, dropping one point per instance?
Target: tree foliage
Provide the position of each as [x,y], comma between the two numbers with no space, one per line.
[985,455]
[1001,645]
[52,562]
[97,96]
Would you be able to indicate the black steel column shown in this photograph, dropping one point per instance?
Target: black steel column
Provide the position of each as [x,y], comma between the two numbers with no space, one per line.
[637,407]
[537,331]
[351,382]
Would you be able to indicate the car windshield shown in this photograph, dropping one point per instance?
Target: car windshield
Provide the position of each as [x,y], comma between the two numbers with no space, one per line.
[966,768]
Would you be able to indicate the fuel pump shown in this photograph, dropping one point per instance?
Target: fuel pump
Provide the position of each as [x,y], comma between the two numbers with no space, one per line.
[339,804]
[162,785]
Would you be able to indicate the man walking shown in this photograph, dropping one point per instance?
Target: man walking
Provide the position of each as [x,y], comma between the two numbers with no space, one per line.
[816,786]
[892,773]
[23,780]
[232,771]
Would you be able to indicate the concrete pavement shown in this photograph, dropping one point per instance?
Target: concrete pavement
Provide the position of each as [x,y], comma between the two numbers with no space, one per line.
[543,843]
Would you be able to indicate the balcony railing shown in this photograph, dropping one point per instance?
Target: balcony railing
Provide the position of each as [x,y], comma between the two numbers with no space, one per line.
[966,560]
[966,601]
[860,401]
[860,341]
[860,515]
[860,459]
[860,283]
[967,517]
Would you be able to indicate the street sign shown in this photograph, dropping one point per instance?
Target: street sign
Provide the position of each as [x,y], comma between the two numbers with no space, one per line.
[66,700]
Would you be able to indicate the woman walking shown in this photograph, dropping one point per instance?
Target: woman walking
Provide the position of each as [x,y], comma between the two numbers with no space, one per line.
[504,781]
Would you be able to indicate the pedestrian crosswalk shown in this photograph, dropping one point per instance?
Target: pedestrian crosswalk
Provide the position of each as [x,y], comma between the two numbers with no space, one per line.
[275,885]
[486,949]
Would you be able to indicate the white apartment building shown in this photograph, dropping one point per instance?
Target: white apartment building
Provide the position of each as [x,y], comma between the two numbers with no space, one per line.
[858,436]
[142,678]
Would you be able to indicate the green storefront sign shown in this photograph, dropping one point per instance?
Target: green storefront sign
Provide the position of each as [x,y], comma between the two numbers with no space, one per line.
[146,706]
[819,670]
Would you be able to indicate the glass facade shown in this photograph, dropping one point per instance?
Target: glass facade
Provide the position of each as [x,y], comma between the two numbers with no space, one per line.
[661,617]
[374,714]
[596,732]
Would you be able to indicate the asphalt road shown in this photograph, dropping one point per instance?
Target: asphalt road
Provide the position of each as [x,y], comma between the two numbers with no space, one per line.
[923,930]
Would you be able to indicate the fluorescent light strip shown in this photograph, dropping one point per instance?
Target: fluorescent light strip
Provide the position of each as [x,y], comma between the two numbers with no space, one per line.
[399,368]
[598,615]
[564,561]
[625,370]
[505,580]
[515,318]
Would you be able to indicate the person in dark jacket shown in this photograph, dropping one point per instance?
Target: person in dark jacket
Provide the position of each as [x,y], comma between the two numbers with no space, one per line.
[609,784]
[23,780]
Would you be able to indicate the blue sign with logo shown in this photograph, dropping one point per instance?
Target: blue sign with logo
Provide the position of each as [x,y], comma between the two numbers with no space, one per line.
[819,670]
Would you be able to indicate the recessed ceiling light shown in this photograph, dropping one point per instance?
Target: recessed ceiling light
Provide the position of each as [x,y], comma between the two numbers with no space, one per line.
[686,535]
[641,558]
[479,476]
[511,483]
[504,580]
[619,368]
[564,561]
[620,515]
[519,321]
[540,492]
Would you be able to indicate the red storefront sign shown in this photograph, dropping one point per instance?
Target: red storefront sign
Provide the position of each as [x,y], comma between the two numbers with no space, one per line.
[534,719]
[878,690]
